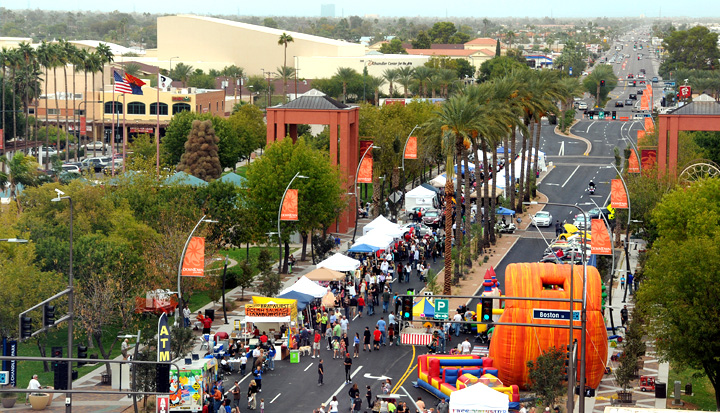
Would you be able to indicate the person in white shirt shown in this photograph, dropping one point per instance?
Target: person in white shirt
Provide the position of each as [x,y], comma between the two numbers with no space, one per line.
[344,324]
[33,385]
[466,347]
[457,317]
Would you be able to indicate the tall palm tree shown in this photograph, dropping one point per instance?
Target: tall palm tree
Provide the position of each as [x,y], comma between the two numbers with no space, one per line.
[105,56]
[457,121]
[422,76]
[94,65]
[57,56]
[182,72]
[448,78]
[70,51]
[405,78]
[285,73]
[345,75]
[14,60]
[83,59]
[29,76]
[283,41]
[374,83]
[44,59]
[391,75]
[4,54]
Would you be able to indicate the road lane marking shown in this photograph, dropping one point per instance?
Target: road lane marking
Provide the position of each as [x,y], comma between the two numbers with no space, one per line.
[589,126]
[275,398]
[406,374]
[571,175]
[309,365]
[327,402]
[562,149]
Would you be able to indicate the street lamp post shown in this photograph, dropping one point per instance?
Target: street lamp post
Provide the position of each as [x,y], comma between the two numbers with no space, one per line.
[68,396]
[404,184]
[583,315]
[627,236]
[182,258]
[357,194]
[174,57]
[282,200]
[14,240]
[612,268]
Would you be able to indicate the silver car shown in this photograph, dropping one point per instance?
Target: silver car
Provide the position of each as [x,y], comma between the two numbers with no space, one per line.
[542,219]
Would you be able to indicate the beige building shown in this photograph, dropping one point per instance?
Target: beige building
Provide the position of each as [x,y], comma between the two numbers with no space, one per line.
[316,67]
[210,42]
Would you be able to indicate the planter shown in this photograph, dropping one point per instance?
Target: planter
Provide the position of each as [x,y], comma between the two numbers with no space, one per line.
[8,402]
[39,401]
[624,397]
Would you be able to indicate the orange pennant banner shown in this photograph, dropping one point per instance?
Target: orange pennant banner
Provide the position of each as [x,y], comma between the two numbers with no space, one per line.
[289,210]
[618,196]
[411,148]
[649,125]
[365,175]
[634,164]
[194,261]
[600,243]
[640,137]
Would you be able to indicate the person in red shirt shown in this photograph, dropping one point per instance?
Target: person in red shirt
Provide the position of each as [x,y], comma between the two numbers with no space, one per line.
[263,338]
[377,335]
[207,323]
[316,344]
[361,305]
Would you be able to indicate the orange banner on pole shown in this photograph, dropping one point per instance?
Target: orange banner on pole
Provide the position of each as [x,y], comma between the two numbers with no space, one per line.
[634,164]
[618,196]
[411,148]
[649,125]
[640,137]
[83,125]
[600,243]
[194,261]
[365,175]
[289,210]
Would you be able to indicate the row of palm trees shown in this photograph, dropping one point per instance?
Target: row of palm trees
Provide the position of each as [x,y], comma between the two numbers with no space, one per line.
[25,67]
[482,118]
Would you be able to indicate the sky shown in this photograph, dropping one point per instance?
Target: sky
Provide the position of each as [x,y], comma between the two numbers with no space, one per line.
[397,8]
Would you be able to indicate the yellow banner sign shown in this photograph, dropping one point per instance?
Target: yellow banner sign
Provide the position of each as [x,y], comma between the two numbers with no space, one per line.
[268,310]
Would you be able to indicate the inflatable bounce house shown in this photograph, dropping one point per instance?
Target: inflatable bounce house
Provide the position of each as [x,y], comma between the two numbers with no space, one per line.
[513,346]
[442,374]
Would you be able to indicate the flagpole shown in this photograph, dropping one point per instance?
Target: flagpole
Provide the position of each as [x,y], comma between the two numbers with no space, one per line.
[124,150]
[112,130]
[157,128]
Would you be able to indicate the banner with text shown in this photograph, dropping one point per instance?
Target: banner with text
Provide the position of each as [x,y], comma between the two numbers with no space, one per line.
[365,175]
[289,210]
[618,196]
[268,310]
[600,243]
[194,262]
[411,148]
[163,344]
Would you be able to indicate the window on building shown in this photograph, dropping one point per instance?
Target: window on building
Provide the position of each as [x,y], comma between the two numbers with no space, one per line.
[180,107]
[81,112]
[163,109]
[53,111]
[136,108]
[31,111]
[109,107]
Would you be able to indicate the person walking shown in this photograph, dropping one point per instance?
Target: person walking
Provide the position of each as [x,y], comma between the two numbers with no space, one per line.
[235,391]
[316,344]
[356,345]
[334,405]
[186,316]
[361,305]
[368,396]
[624,315]
[386,300]
[348,365]
[243,363]
[377,336]
[354,393]
[466,346]
[328,337]
[258,378]
[382,326]
[271,357]
[321,373]
[357,405]
[366,339]
[252,392]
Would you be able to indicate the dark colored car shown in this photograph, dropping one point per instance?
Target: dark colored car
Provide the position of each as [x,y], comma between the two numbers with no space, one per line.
[433,218]
[632,96]
[628,102]
[619,104]
[639,92]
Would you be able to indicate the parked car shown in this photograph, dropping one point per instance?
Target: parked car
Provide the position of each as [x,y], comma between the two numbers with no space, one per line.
[96,145]
[619,104]
[117,165]
[96,162]
[541,219]
[68,167]
[424,229]
[639,92]
[433,218]
[582,106]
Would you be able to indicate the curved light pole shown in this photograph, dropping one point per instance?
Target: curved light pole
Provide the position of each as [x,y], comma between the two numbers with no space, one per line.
[174,57]
[583,315]
[71,297]
[627,234]
[404,184]
[612,268]
[182,258]
[357,196]
[282,200]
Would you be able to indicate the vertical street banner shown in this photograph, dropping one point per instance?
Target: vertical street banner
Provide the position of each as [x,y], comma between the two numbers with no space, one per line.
[600,243]
[163,344]
[633,163]
[289,210]
[640,137]
[618,196]
[12,351]
[83,126]
[365,175]
[647,159]
[2,139]
[411,148]
[194,262]
[649,125]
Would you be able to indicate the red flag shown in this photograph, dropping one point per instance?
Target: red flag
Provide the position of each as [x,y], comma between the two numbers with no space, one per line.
[600,243]
[194,261]
[366,171]
[289,210]
[411,148]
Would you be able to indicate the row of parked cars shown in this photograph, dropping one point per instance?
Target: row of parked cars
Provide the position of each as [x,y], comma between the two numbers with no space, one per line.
[95,164]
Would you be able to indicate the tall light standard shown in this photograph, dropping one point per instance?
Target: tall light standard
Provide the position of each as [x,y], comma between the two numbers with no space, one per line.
[68,396]
[182,258]
[404,184]
[282,200]
[583,315]
[357,195]
[174,57]
[627,234]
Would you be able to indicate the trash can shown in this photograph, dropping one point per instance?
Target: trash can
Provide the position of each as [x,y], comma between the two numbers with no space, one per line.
[294,356]
[660,390]
[688,389]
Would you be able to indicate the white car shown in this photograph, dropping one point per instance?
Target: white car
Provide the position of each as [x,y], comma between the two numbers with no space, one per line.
[541,219]
[582,106]
[424,229]
[71,168]
[96,145]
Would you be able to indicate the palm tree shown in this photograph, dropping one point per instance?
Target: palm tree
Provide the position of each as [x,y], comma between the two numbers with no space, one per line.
[4,55]
[14,60]
[283,41]
[422,76]
[29,75]
[57,56]
[345,75]
[391,75]
[94,65]
[448,78]
[374,83]
[181,71]
[83,59]
[133,69]
[104,56]
[434,83]
[405,77]
[44,59]
[68,58]
[285,73]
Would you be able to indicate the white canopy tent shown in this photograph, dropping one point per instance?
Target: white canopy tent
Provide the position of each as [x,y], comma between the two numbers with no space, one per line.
[385,225]
[478,398]
[439,181]
[306,286]
[339,262]
[419,197]
[375,238]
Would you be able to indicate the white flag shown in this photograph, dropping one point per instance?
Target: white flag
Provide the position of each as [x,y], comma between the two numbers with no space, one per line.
[164,81]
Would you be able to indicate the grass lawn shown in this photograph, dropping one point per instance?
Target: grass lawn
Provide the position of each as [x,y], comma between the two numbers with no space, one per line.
[241,254]
[703,393]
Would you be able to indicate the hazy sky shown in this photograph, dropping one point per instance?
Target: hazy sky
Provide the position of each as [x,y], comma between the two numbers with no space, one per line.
[430,8]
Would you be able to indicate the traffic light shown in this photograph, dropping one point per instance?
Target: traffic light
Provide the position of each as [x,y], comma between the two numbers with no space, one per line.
[602,83]
[162,378]
[82,354]
[591,114]
[407,308]
[25,327]
[614,115]
[486,310]
[61,375]
[48,315]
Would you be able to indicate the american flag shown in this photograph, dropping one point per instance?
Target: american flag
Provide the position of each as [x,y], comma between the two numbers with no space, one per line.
[121,85]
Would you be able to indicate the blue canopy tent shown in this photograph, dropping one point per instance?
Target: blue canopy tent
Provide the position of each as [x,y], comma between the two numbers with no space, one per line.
[183,178]
[363,248]
[234,178]
[302,299]
[504,211]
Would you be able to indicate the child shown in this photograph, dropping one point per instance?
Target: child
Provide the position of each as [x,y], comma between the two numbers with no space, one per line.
[336,349]
[622,282]
[262,405]
[391,334]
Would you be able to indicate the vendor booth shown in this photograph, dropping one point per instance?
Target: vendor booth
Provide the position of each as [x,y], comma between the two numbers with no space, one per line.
[306,286]
[373,241]
[420,197]
[339,262]
[269,313]
[325,275]
[383,226]
[478,398]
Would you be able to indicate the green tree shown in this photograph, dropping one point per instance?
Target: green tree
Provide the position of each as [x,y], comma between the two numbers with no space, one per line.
[500,66]
[285,73]
[270,22]
[393,47]
[546,376]
[249,126]
[345,75]
[244,277]
[181,72]
[405,78]
[422,41]
[677,291]
[391,76]
[696,48]
[270,281]
[573,56]
[442,31]
[172,146]
[200,158]
[22,170]
[283,41]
